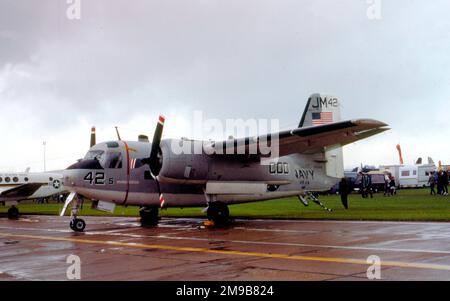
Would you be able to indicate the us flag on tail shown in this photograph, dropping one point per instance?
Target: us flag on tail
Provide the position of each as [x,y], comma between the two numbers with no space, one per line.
[322,118]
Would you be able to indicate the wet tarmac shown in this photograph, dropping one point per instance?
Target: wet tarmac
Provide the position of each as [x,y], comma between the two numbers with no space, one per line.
[117,248]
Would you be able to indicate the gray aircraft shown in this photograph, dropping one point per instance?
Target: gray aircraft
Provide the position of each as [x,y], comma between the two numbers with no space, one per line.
[156,175]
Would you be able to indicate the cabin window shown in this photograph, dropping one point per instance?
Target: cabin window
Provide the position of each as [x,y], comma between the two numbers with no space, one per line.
[15,179]
[405,173]
[112,144]
[1,179]
[113,160]
[7,179]
[26,179]
[286,168]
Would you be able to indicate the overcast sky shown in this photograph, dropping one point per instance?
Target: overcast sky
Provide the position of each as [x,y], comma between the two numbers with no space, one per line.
[124,62]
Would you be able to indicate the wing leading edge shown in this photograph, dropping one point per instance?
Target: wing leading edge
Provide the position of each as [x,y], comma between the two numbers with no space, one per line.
[306,140]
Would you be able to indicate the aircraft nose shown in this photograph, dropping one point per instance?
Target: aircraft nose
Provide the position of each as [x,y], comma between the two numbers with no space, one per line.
[70,177]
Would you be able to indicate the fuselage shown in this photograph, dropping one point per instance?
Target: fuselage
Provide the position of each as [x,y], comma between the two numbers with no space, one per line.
[116,172]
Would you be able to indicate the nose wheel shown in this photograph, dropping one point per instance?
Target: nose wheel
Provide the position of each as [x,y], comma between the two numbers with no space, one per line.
[77,224]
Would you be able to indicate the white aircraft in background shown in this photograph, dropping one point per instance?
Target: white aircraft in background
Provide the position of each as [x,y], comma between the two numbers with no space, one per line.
[16,187]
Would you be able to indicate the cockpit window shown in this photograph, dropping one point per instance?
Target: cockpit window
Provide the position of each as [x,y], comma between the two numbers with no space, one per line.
[113,160]
[112,144]
[95,154]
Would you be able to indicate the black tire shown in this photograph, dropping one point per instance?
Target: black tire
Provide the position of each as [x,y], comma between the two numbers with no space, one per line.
[13,213]
[218,213]
[77,225]
[149,216]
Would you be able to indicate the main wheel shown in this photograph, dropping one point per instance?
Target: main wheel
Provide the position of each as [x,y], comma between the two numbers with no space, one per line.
[219,213]
[77,225]
[13,213]
[149,216]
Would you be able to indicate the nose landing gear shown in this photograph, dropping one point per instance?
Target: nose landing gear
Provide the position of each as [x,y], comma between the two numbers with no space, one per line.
[76,224]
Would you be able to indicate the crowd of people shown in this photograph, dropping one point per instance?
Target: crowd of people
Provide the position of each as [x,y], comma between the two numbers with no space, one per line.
[440,180]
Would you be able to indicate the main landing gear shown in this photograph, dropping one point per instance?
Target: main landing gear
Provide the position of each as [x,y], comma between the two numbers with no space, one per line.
[13,212]
[149,216]
[219,213]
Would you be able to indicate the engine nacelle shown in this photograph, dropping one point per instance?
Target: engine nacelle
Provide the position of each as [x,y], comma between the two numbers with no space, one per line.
[183,161]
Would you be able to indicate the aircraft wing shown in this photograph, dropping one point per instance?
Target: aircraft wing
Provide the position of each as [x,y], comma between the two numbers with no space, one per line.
[306,140]
[20,192]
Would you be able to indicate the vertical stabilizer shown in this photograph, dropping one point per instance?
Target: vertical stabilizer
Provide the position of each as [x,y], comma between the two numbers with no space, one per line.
[320,110]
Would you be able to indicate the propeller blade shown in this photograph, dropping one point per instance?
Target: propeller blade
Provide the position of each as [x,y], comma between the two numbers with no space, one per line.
[154,159]
[93,137]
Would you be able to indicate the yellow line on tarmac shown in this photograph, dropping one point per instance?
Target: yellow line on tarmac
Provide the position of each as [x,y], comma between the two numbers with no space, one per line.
[231,252]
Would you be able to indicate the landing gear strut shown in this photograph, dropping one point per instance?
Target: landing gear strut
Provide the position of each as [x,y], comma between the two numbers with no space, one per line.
[218,213]
[149,216]
[13,212]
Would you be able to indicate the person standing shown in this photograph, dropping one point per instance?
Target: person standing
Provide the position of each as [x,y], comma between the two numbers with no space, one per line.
[392,186]
[343,191]
[386,184]
[432,182]
[445,182]
[440,183]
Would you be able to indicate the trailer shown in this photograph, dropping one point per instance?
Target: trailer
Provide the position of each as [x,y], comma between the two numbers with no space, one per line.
[410,176]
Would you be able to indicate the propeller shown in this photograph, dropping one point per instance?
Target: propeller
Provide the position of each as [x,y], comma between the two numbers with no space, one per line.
[93,137]
[154,161]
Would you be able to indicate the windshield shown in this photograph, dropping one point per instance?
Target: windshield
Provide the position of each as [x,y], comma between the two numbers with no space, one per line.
[95,154]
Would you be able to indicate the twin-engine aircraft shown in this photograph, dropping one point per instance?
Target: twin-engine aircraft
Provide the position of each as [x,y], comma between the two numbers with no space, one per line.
[155,175]
[16,187]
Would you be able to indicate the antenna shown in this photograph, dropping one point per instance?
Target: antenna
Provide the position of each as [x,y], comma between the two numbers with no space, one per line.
[118,134]
[45,167]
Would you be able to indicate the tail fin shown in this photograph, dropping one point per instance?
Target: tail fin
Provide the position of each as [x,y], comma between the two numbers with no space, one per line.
[324,109]
[321,109]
